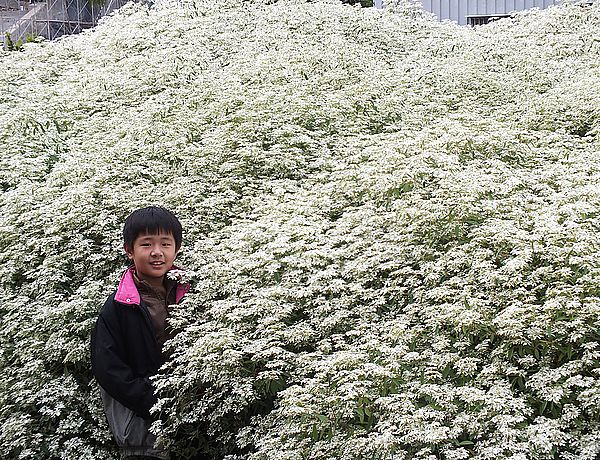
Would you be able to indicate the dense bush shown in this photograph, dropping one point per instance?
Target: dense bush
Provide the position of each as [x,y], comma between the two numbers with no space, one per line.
[392,224]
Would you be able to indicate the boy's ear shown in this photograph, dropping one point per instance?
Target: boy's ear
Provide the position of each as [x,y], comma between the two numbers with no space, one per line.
[128,251]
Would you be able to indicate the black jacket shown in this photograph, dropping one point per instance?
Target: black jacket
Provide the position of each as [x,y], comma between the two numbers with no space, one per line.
[125,354]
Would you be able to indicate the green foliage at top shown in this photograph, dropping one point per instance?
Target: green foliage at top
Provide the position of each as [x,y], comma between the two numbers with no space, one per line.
[392,225]
[18,45]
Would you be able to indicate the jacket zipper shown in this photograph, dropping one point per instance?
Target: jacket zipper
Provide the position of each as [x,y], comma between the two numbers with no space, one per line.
[149,324]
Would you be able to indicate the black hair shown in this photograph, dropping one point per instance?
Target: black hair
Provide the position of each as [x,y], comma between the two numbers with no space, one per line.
[151,220]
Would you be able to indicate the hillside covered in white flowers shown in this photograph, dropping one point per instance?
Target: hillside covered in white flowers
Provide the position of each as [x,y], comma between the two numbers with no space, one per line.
[393,225]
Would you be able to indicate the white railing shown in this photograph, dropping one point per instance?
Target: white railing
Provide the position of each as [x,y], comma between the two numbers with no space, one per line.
[51,18]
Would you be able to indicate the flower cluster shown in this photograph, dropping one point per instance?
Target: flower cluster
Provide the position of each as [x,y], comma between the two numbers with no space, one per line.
[391,223]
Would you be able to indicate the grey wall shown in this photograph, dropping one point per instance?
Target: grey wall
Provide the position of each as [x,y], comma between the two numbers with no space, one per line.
[458,10]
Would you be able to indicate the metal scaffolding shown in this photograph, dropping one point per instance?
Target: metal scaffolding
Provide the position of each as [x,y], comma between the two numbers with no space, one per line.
[51,19]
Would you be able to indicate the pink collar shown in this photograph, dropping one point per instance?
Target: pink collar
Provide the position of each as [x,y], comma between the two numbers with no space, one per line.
[127,292]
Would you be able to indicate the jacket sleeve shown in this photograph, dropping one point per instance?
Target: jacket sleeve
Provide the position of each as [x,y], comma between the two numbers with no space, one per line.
[112,372]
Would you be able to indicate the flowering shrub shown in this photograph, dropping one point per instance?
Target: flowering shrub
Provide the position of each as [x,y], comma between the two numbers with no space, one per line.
[392,225]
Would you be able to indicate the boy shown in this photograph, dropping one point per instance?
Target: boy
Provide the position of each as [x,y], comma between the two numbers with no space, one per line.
[130,332]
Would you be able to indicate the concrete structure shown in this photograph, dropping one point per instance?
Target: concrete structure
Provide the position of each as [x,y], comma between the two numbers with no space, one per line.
[476,12]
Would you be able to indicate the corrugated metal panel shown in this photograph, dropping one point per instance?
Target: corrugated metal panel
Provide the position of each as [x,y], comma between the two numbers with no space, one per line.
[458,10]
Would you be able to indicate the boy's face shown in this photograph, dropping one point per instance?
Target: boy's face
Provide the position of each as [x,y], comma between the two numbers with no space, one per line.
[153,256]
